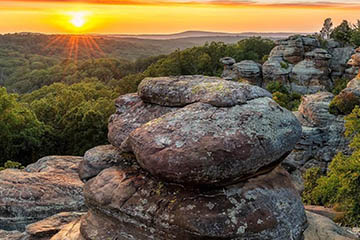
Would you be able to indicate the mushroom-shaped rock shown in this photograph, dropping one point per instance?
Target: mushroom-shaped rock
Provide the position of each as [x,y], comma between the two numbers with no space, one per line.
[183,90]
[229,61]
[203,144]
[276,69]
[249,71]
[133,204]
[131,113]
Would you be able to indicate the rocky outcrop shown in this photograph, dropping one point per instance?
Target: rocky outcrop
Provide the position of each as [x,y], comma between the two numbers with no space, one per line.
[12,235]
[48,227]
[322,228]
[312,74]
[339,60]
[246,71]
[206,167]
[264,207]
[323,134]
[47,187]
[102,157]
[70,231]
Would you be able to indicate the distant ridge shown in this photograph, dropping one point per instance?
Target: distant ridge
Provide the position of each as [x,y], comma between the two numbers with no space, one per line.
[188,34]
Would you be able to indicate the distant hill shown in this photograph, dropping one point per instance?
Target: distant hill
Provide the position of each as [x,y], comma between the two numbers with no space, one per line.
[202,34]
[130,47]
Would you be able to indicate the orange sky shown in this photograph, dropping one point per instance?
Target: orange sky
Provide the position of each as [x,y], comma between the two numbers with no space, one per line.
[167,16]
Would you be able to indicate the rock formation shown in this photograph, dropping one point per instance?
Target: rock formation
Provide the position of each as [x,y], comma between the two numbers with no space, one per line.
[47,187]
[246,71]
[207,154]
[299,63]
[322,136]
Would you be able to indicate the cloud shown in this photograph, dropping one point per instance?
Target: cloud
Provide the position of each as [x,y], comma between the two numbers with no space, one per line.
[232,3]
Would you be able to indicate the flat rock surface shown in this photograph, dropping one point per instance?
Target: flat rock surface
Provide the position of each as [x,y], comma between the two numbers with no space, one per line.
[48,227]
[138,206]
[203,144]
[43,189]
[323,228]
[183,90]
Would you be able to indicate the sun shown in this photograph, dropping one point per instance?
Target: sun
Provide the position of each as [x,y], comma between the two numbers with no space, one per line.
[78,19]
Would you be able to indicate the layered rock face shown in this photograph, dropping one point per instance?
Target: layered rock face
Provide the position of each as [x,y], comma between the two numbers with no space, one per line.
[246,71]
[47,187]
[206,168]
[297,62]
[322,134]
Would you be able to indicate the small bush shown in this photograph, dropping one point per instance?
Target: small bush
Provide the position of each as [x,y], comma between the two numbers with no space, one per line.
[343,103]
[11,164]
[284,65]
[283,97]
[339,85]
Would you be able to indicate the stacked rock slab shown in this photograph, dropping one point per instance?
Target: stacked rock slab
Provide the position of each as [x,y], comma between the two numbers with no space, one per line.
[206,166]
[246,71]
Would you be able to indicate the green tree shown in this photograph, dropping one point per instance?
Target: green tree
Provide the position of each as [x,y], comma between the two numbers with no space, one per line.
[21,132]
[342,32]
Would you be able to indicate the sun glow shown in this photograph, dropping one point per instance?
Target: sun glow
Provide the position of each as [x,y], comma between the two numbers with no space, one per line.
[78,19]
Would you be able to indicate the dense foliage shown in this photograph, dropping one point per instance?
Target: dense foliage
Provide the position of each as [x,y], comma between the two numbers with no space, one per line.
[283,96]
[340,188]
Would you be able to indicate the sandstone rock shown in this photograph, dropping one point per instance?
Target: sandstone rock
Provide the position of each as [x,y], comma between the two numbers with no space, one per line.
[312,74]
[249,72]
[102,157]
[228,61]
[71,231]
[290,49]
[43,189]
[323,134]
[355,58]
[276,69]
[203,144]
[322,228]
[12,235]
[48,227]
[183,90]
[131,113]
[323,211]
[338,62]
[332,44]
[138,206]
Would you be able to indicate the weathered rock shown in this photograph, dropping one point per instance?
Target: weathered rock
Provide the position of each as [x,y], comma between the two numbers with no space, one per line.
[276,69]
[48,227]
[249,71]
[131,113]
[338,62]
[355,58]
[138,206]
[227,61]
[183,90]
[50,186]
[322,228]
[71,231]
[323,134]
[326,212]
[202,144]
[290,49]
[12,235]
[102,157]
[312,74]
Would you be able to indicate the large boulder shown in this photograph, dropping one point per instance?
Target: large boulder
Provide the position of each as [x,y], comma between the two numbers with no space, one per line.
[203,144]
[49,186]
[102,157]
[183,90]
[131,113]
[133,205]
[249,71]
[290,49]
